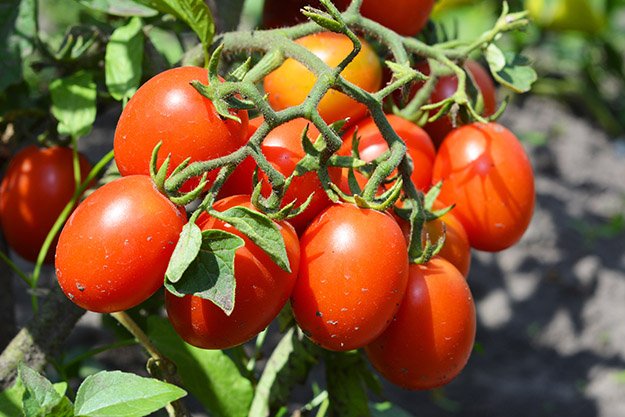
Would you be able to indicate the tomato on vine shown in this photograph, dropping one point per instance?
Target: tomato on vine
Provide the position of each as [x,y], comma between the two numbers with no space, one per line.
[352,277]
[262,289]
[406,17]
[37,186]
[279,13]
[429,341]
[168,109]
[114,249]
[487,174]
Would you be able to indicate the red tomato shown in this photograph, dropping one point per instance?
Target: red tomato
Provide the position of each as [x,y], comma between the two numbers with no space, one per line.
[37,186]
[262,289]
[290,84]
[446,87]
[283,149]
[487,174]
[278,13]
[167,108]
[431,338]
[114,250]
[372,144]
[406,17]
[352,276]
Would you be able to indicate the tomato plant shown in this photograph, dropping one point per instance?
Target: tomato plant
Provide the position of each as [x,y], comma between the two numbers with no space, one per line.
[278,13]
[406,17]
[289,85]
[168,109]
[262,289]
[347,292]
[37,186]
[488,175]
[429,341]
[114,249]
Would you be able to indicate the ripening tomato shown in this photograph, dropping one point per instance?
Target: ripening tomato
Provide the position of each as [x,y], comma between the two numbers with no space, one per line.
[372,144]
[431,337]
[168,109]
[406,17]
[283,149]
[279,13]
[290,84]
[114,249]
[262,289]
[37,186]
[487,174]
[352,277]
[446,87]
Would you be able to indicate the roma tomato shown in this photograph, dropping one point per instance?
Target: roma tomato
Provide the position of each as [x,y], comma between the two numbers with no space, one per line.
[352,277]
[114,249]
[283,149]
[406,17]
[168,109]
[37,186]
[372,144]
[446,87]
[262,289]
[290,84]
[487,174]
[431,337]
[279,13]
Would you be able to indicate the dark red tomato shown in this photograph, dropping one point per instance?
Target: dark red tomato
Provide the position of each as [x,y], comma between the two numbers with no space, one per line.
[352,277]
[262,289]
[279,13]
[290,84]
[429,341]
[37,186]
[167,108]
[488,175]
[114,250]
[446,87]
[406,17]
[372,144]
[283,149]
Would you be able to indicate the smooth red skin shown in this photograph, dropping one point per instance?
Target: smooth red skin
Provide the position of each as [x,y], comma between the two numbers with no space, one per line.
[283,149]
[114,249]
[37,186]
[446,87]
[352,277]
[262,290]
[167,108]
[291,83]
[372,144]
[406,17]
[488,175]
[279,13]
[429,341]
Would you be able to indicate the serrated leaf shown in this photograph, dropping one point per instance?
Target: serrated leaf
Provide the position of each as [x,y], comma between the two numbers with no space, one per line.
[289,365]
[209,375]
[347,378]
[40,398]
[74,103]
[123,60]
[185,252]
[18,25]
[120,394]
[211,274]
[120,7]
[516,74]
[260,229]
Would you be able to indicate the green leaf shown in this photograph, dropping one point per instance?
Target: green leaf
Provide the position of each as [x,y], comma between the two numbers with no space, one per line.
[40,398]
[167,43]
[194,13]
[387,409]
[209,375]
[74,103]
[211,274]
[18,25]
[11,400]
[510,70]
[495,58]
[123,60]
[186,251]
[120,394]
[260,229]
[347,378]
[289,364]
[120,7]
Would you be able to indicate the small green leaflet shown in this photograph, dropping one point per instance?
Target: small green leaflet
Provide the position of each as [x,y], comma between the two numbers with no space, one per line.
[120,7]
[123,60]
[211,274]
[117,393]
[387,409]
[260,229]
[509,69]
[186,251]
[41,398]
[74,103]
